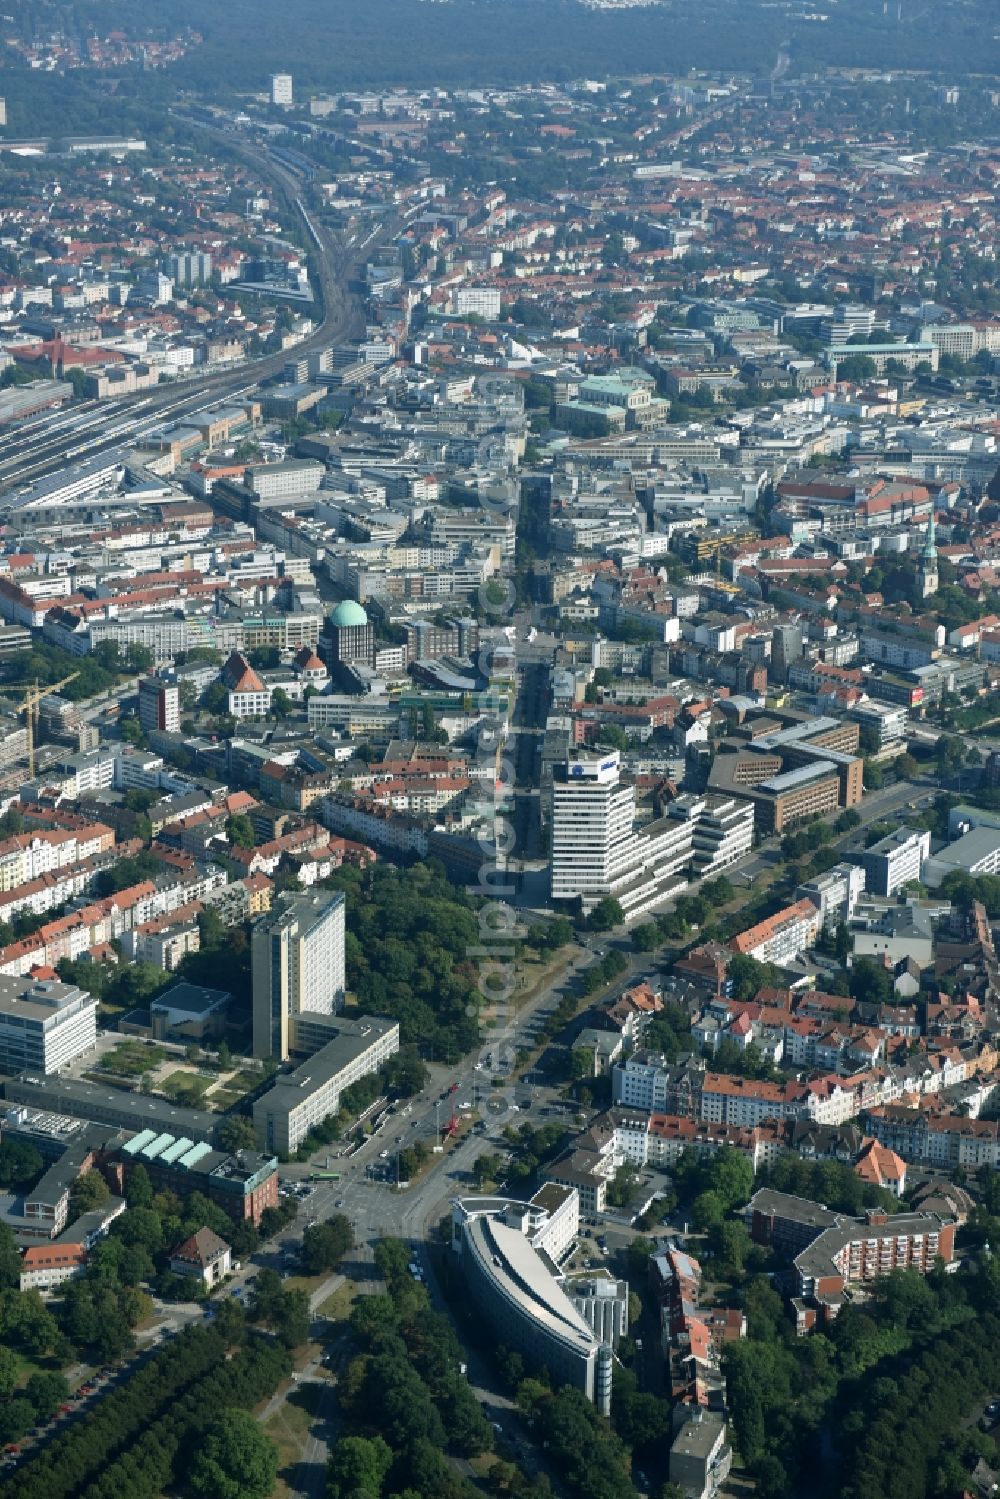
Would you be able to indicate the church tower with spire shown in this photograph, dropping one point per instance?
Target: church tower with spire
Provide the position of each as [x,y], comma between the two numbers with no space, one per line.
[928,570]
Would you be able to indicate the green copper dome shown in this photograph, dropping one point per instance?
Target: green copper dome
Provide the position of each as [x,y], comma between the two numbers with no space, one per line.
[348,616]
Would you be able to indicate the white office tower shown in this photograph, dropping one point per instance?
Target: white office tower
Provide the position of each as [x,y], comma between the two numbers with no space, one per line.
[297,956]
[596,849]
[281,88]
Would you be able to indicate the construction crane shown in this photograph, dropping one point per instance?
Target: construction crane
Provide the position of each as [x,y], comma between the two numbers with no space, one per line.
[33,697]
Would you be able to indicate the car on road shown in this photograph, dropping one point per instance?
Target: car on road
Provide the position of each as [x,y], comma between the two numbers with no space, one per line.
[993,1408]
[383,1154]
[339,1202]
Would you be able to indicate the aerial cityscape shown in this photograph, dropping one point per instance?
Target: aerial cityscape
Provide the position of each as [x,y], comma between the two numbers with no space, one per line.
[500,750]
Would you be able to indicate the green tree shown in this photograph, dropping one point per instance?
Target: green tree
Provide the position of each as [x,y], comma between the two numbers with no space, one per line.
[46,1390]
[870,982]
[281,703]
[235,1459]
[89,1191]
[856,368]
[237,1133]
[239,831]
[606,914]
[20,1163]
[707,1210]
[747,976]
[16,1417]
[874,776]
[325,1244]
[485,1169]
[358,1468]
[30,1324]
[10,1368]
[132,731]
[645,937]
[215,699]
[139,1188]
[292,1322]
[730,1174]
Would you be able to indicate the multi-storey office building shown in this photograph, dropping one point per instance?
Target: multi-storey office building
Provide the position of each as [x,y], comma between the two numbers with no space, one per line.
[297,955]
[514,1287]
[44,1024]
[304,1098]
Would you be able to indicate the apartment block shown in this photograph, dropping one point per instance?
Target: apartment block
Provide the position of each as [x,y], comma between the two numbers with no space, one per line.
[833,1252]
[781,937]
[895,860]
[159,706]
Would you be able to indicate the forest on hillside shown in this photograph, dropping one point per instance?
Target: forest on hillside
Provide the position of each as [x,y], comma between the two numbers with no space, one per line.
[338,44]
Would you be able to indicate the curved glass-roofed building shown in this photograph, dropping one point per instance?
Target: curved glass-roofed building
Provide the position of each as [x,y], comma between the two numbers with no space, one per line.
[515,1287]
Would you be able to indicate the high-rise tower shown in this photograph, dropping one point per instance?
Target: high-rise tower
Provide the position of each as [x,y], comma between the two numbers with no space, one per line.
[297,953]
[928,570]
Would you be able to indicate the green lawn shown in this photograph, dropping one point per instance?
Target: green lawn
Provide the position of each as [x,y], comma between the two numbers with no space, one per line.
[338,1307]
[222,1099]
[132,1058]
[307,1283]
[288,1429]
[181,1084]
[242,1082]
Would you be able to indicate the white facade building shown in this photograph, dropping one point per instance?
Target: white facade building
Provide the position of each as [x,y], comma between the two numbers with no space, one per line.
[44,1025]
[895,860]
[723,829]
[281,89]
[596,849]
[641,1083]
[297,966]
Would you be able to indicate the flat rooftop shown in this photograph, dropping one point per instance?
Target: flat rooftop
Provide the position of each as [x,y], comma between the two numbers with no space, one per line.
[96,1101]
[789,780]
[354,1038]
[38,1000]
[191,999]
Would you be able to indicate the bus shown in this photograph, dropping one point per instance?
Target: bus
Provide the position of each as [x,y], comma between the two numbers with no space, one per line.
[325,1176]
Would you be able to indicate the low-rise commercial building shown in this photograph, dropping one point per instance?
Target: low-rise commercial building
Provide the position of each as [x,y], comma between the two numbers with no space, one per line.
[976,852]
[304,1098]
[110,1106]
